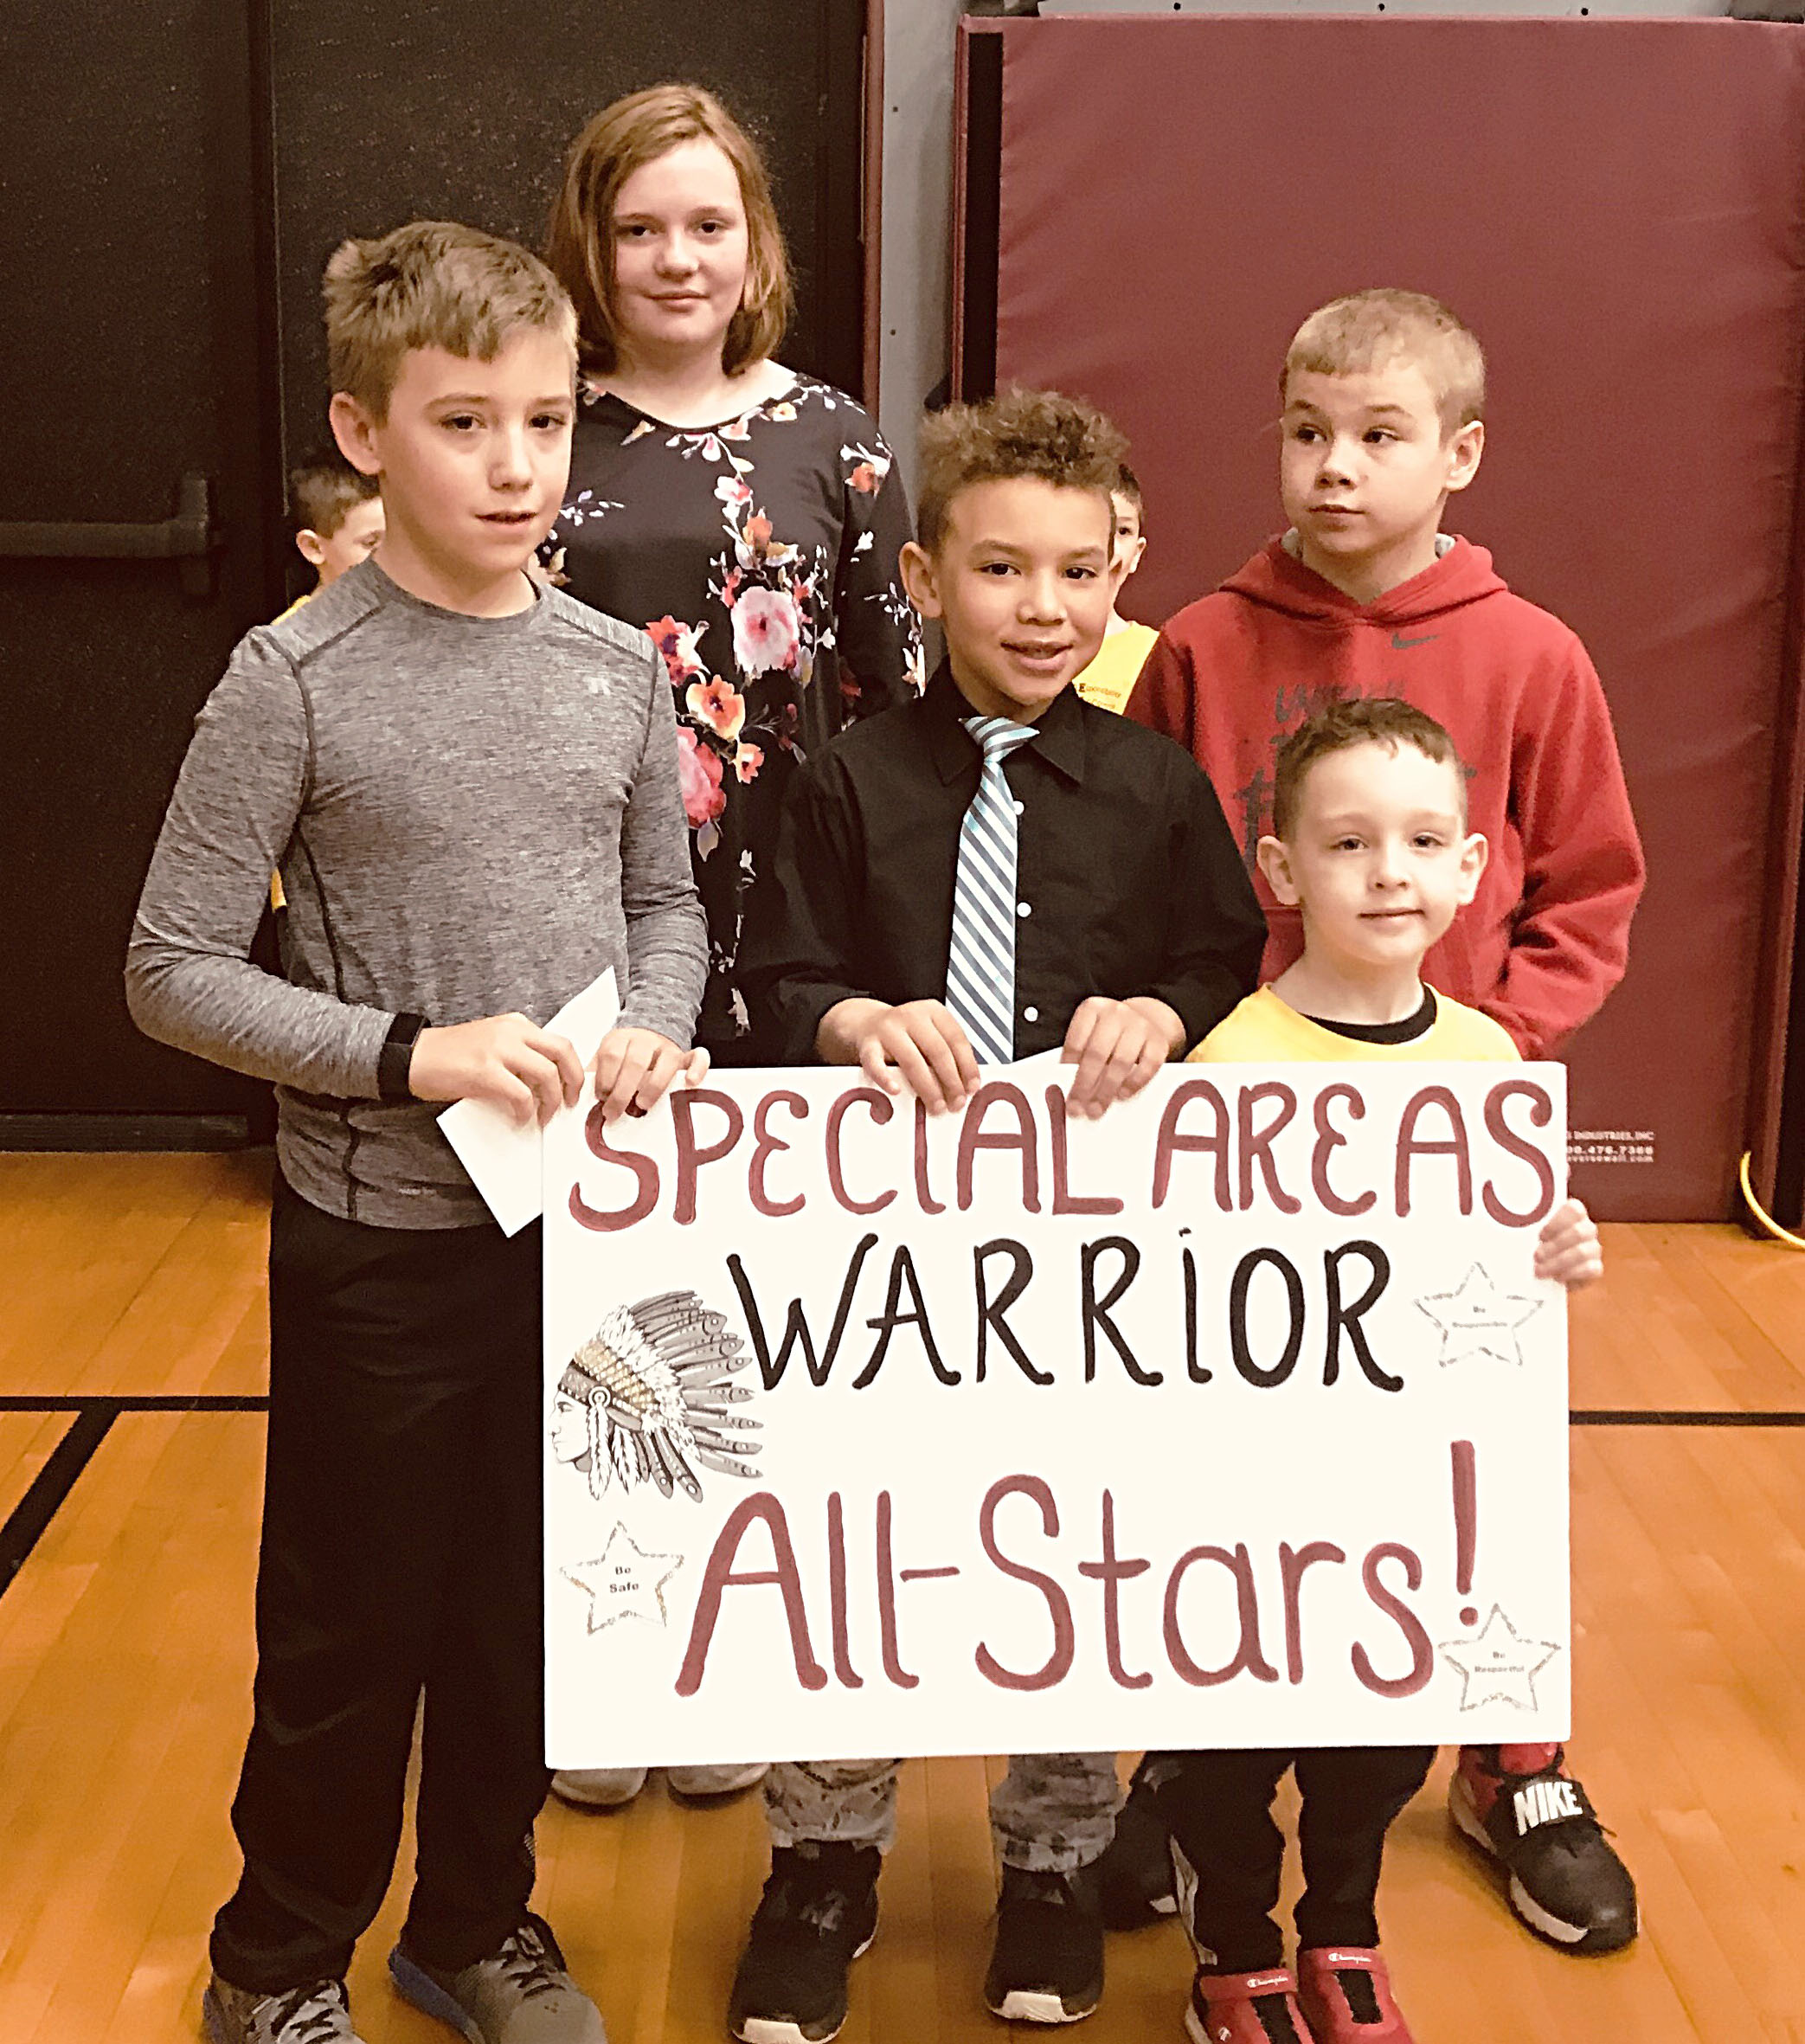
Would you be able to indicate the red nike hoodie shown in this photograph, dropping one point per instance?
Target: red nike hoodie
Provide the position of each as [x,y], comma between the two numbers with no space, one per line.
[1545,940]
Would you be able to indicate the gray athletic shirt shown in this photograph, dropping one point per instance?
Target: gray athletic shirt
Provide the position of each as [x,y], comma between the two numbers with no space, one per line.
[470,816]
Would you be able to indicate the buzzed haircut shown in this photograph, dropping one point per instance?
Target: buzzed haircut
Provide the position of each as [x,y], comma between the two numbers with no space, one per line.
[1127,484]
[1039,434]
[1357,720]
[1371,330]
[321,494]
[433,284]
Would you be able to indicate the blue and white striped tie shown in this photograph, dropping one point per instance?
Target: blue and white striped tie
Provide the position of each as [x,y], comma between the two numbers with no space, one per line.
[981,962]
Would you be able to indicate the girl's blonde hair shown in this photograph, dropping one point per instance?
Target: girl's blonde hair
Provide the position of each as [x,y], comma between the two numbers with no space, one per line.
[579,243]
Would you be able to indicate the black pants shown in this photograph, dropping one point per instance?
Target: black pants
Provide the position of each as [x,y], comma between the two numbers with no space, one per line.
[1219,1808]
[401,1551]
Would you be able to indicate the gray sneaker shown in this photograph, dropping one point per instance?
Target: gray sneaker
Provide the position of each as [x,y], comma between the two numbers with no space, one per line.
[315,2015]
[598,1788]
[706,1782]
[521,1995]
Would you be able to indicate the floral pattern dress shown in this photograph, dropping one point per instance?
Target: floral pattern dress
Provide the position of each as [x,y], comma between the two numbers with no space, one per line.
[761,555]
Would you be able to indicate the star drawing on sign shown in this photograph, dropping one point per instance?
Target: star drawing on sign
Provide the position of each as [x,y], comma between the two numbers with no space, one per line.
[1476,1319]
[623,1581]
[1497,1664]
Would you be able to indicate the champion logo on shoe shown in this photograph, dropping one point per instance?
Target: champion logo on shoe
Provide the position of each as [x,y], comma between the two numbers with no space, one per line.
[1223,2004]
[1549,1799]
[1247,1986]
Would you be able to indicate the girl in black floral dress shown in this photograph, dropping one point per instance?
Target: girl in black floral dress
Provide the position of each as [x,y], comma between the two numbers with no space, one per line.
[749,518]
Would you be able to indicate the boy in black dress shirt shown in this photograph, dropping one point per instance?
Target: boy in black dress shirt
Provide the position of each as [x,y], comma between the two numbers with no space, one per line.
[995,869]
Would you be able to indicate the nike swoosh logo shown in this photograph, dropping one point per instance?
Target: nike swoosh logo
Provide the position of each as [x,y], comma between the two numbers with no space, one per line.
[1401,645]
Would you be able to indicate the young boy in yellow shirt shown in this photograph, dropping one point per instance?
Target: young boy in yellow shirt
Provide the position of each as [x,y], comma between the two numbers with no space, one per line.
[1370,845]
[338,523]
[339,517]
[1110,679]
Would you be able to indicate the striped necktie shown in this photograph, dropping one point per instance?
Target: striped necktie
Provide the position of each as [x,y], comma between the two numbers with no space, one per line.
[980,961]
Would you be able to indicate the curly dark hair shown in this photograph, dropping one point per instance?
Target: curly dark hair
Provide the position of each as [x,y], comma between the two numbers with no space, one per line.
[1037,433]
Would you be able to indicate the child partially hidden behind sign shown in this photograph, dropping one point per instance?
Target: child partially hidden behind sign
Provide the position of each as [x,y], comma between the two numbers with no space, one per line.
[996,869]
[1370,845]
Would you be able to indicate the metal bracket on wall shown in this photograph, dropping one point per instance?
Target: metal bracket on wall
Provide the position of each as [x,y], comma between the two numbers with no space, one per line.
[190,538]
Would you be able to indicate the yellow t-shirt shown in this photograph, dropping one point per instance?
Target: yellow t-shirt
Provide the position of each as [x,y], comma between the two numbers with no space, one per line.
[1110,679]
[1265,1029]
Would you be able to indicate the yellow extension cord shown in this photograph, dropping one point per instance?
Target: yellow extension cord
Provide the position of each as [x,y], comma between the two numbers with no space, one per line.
[1760,1213]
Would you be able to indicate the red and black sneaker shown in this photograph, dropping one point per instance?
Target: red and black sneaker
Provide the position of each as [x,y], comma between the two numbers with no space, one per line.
[1346,1996]
[1563,1876]
[1245,2009]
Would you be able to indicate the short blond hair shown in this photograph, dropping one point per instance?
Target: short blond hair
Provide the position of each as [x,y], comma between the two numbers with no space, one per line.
[1042,434]
[1370,329]
[580,241]
[431,284]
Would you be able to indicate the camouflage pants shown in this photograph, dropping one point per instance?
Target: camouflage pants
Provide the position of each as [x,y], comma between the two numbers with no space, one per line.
[1051,1812]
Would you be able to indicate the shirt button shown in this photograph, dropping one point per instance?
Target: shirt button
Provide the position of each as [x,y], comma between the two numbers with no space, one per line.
[1030,1014]
[1020,808]
[1021,908]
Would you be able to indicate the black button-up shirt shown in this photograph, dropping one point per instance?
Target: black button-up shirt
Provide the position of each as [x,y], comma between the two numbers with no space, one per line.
[1127,880]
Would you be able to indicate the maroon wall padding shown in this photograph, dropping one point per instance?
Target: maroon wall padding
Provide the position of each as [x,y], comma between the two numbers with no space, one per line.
[1618,209]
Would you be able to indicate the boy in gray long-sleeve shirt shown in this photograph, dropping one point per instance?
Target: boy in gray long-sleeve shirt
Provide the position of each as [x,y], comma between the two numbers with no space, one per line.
[469,786]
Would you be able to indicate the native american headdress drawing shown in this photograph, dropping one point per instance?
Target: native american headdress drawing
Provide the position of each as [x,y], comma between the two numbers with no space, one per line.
[654,1381]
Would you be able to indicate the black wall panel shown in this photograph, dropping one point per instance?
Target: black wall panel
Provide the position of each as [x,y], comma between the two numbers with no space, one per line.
[128,353]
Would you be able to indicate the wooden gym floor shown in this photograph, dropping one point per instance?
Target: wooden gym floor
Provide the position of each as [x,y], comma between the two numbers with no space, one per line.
[132,1360]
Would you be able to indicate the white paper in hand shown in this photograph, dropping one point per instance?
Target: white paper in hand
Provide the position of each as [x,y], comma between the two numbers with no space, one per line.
[502,1156]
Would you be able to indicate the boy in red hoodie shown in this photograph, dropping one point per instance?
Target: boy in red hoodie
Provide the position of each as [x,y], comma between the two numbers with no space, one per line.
[1383,395]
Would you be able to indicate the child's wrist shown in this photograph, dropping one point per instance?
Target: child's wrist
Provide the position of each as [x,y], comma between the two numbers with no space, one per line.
[839,1031]
[1163,1015]
[395,1062]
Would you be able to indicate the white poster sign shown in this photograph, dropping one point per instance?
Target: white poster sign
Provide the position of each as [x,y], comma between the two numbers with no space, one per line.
[1236,1417]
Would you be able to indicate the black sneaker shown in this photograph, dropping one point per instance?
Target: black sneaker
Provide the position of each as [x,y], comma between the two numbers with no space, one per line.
[1563,1878]
[818,1913]
[1134,1873]
[1047,1966]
